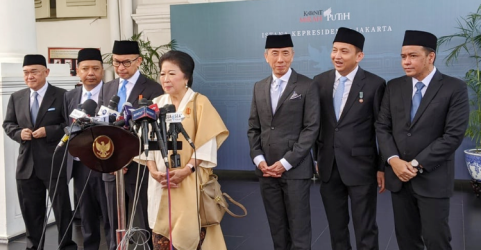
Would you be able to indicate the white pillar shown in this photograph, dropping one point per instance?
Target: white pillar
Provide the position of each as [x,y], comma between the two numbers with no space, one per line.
[17,28]
[18,33]
[126,21]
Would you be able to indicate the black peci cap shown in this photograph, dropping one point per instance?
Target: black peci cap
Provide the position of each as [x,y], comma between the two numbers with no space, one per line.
[125,47]
[34,60]
[279,41]
[345,35]
[89,54]
[420,38]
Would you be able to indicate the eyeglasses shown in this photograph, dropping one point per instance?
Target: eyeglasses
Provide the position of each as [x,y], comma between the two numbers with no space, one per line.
[33,73]
[126,63]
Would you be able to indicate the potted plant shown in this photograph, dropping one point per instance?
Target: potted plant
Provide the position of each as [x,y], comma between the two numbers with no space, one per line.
[469,37]
[150,56]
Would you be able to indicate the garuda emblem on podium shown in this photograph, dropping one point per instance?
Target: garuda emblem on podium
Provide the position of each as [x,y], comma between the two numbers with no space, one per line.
[103,147]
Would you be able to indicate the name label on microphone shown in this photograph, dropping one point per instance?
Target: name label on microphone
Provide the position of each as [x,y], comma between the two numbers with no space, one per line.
[76,114]
[143,112]
[106,111]
[174,117]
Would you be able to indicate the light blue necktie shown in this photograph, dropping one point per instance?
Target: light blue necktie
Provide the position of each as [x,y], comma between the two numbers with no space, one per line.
[338,96]
[276,94]
[122,94]
[89,95]
[418,96]
[35,107]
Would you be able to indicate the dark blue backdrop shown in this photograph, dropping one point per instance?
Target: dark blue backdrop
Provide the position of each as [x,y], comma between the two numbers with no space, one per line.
[227,41]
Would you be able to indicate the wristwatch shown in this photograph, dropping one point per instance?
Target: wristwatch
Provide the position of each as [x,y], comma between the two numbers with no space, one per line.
[192,168]
[416,165]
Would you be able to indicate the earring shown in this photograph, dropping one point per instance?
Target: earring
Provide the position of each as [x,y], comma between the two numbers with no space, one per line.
[186,86]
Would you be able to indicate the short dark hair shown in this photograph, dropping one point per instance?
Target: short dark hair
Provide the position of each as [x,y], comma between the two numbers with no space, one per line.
[429,50]
[181,59]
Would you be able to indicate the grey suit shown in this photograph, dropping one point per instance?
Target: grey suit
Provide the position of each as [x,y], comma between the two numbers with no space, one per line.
[92,203]
[421,205]
[348,158]
[34,164]
[289,134]
[148,89]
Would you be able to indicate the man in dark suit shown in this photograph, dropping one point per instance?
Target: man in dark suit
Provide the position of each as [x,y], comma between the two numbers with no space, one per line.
[35,120]
[88,184]
[422,121]
[130,84]
[283,126]
[348,161]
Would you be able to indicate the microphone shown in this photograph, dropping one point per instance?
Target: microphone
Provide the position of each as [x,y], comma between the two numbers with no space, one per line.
[87,109]
[155,108]
[144,115]
[176,119]
[111,110]
[127,112]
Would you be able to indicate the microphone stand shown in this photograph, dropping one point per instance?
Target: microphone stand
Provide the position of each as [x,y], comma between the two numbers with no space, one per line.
[174,158]
[121,230]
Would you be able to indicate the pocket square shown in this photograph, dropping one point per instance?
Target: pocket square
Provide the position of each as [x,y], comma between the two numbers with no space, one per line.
[295,96]
[51,109]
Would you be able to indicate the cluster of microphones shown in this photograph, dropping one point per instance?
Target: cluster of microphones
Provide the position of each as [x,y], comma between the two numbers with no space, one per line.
[148,117]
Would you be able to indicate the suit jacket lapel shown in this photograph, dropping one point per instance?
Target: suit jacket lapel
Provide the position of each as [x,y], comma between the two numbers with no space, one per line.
[137,90]
[407,97]
[330,95]
[27,106]
[47,100]
[291,85]
[431,91]
[267,93]
[356,87]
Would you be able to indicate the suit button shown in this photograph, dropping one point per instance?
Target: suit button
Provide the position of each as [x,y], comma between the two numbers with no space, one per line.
[272,128]
[336,129]
[409,134]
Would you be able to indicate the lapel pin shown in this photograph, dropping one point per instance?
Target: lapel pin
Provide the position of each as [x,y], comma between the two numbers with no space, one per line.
[361,96]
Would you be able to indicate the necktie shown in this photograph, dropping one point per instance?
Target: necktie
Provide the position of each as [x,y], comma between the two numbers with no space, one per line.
[276,93]
[338,96]
[89,95]
[122,94]
[34,109]
[416,99]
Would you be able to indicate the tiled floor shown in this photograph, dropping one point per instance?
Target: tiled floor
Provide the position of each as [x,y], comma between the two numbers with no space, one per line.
[252,232]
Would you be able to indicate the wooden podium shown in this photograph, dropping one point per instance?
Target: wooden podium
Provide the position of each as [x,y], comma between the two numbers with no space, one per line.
[105,149]
[108,149]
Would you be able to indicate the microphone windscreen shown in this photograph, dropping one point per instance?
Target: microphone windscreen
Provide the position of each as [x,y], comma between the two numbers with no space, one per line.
[89,106]
[114,102]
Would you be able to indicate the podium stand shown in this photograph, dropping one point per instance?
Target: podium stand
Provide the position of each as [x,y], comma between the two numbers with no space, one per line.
[108,149]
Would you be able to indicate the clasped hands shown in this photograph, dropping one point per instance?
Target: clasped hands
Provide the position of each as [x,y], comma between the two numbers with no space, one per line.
[275,170]
[403,169]
[176,176]
[27,134]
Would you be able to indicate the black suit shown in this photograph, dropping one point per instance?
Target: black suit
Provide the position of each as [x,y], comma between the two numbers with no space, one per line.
[348,158]
[35,161]
[93,202]
[148,89]
[431,138]
[290,134]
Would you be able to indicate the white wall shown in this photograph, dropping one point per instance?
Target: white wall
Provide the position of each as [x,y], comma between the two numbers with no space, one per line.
[85,33]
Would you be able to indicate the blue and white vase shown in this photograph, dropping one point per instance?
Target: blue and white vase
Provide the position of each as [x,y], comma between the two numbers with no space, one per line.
[473,162]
